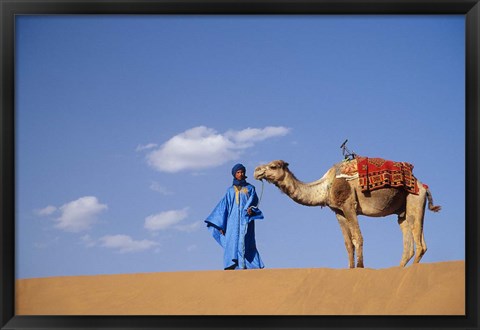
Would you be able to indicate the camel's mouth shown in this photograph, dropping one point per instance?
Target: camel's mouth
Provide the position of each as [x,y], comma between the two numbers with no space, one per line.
[258,174]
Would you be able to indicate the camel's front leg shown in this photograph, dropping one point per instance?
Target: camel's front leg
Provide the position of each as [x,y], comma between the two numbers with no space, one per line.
[347,237]
[357,238]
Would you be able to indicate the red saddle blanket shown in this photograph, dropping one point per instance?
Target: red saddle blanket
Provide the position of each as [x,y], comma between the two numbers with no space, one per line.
[376,173]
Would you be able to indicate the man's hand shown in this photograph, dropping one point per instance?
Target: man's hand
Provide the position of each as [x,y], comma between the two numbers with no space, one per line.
[221,232]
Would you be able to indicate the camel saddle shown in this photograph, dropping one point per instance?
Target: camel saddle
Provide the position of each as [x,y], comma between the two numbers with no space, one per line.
[376,173]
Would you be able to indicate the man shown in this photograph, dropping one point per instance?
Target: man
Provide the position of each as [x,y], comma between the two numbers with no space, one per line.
[232,223]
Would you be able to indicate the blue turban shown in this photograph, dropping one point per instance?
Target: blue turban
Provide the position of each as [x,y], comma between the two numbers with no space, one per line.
[235,181]
[238,167]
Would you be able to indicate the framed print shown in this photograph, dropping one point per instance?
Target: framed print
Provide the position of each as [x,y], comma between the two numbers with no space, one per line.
[150,153]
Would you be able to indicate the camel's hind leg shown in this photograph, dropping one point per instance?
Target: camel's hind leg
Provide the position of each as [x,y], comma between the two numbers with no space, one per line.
[408,249]
[415,215]
[347,237]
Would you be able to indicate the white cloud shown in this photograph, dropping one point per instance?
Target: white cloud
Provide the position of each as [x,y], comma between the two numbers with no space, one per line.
[79,215]
[125,244]
[202,147]
[141,147]
[49,210]
[245,138]
[164,220]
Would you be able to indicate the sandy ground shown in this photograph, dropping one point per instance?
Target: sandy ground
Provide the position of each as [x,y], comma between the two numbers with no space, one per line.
[421,289]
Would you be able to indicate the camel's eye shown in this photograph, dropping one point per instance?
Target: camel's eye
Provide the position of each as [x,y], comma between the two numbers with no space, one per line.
[273,167]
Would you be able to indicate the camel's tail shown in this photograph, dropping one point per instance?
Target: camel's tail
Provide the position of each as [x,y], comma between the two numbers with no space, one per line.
[431,207]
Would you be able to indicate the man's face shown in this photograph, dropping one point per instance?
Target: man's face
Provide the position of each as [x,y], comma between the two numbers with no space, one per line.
[240,175]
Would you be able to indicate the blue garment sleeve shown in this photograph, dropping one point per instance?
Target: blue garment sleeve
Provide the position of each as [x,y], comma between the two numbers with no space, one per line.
[217,220]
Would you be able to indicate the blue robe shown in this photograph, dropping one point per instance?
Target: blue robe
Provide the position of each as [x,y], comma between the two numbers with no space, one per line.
[230,215]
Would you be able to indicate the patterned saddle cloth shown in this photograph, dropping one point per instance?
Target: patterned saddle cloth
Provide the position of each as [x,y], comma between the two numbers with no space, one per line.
[376,173]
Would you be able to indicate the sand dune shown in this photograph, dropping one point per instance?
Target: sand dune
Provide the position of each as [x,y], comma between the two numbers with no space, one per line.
[422,289]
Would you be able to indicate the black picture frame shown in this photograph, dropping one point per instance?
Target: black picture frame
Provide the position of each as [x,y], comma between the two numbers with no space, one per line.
[10,8]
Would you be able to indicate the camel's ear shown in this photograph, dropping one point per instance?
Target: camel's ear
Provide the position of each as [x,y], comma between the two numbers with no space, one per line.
[285,165]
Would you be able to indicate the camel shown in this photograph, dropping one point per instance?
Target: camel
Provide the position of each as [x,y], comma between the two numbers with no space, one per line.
[343,195]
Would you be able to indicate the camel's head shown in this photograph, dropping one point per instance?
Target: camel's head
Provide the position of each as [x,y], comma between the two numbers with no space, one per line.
[272,172]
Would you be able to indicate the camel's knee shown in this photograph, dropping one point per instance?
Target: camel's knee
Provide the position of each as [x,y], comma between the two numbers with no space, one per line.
[358,242]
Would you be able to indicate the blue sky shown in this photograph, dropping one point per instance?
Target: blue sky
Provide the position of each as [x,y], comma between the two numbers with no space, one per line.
[127,128]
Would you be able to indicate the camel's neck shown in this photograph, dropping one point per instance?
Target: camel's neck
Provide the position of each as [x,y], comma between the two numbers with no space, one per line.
[309,194]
